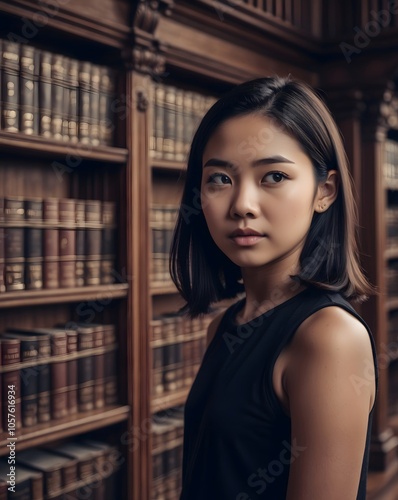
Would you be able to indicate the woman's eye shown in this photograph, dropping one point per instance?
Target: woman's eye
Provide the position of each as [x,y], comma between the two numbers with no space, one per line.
[275,177]
[219,179]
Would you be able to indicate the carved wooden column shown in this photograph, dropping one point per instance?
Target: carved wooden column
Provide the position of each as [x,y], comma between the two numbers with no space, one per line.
[144,63]
[373,239]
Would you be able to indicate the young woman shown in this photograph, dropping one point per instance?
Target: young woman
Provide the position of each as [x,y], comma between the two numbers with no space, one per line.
[282,406]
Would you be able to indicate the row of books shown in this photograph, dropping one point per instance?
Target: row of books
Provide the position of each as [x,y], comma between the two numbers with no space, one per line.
[392,278]
[176,114]
[71,470]
[54,96]
[57,372]
[391,160]
[167,447]
[393,388]
[162,222]
[56,243]
[392,226]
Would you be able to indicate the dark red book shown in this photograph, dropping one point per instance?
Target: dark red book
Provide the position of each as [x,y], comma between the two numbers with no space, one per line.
[50,243]
[14,251]
[10,86]
[11,355]
[67,243]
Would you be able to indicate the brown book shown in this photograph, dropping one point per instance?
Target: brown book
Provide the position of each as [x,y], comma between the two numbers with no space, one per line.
[99,366]
[41,371]
[58,471]
[93,242]
[108,244]
[29,88]
[188,123]
[157,221]
[85,368]
[80,242]
[29,353]
[159,120]
[157,370]
[28,483]
[50,243]
[111,383]
[169,123]
[179,126]
[106,106]
[45,85]
[67,243]
[10,86]
[11,355]
[71,99]
[84,101]
[58,83]
[2,247]
[95,77]
[14,214]
[82,454]
[34,244]
[4,488]
[72,370]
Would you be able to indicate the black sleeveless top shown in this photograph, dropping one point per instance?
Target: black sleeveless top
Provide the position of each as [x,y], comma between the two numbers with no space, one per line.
[237,442]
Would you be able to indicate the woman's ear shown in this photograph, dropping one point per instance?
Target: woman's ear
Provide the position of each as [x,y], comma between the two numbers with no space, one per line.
[327,192]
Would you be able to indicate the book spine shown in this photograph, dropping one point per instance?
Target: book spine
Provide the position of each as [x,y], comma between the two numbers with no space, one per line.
[10,355]
[34,244]
[159,120]
[29,89]
[106,106]
[44,389]
[45,88]
[108,244]
[57,95]
[50,243]
[73,112]
[80,242]
[10,86]
[111,387]
[86,369]
[14,214]
[29,383]
[99,368]
[72,373]
[169,123]
[94,105]
[93,242]
[84,102]
[179,126]
[67,243]
[59,377]
[188,126]
[37,487]
[157,226]
[157,370]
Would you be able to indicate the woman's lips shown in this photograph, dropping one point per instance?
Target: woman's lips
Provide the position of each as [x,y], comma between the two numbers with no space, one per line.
[247,240]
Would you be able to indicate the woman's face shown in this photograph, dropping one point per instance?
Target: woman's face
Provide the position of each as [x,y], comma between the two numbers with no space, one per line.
[258,191]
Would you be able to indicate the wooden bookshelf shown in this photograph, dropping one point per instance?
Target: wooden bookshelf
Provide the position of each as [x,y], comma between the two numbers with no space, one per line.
[166,401]
[168,165]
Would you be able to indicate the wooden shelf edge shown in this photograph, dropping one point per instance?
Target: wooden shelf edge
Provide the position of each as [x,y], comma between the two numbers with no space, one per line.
[392,304]
[66,427]
[166,289]
[177,398]
[171,165]
[18,142]
[62,295]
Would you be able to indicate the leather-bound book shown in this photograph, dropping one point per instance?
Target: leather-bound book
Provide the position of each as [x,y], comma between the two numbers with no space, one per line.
[108,244]
[10,86]
[99,365]
[11,355]
[159,120]
[106,106]
[187,114]
[34,244]
[169,124]
[72,100]
[157,222]
[80,242]
[72,370]
[67,243]
[41,371]
[157,370]
[58,471]
[2,247]
[45,87]
[29,354]
[84,101]
[50,243]
[3,482]
[111,382]
[94,105]
[29,89]
[58,84]
[85,364]
[93,242]
[82,454]
[179,126]
[14,250]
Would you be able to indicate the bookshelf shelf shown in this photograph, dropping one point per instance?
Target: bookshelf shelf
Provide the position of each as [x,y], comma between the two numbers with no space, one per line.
[163,289]
[63,295]
[20,143]
[169,400]
[391,253]
[66,427]
[392,304]
[175,166]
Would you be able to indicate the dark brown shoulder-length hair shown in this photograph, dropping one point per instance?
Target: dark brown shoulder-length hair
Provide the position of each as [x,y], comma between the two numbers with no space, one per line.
[329,259]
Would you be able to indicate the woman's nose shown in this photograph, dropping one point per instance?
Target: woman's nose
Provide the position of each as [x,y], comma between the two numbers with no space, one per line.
[245,203]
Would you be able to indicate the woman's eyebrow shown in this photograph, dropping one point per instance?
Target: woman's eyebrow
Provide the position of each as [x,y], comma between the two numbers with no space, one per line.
[215,162]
